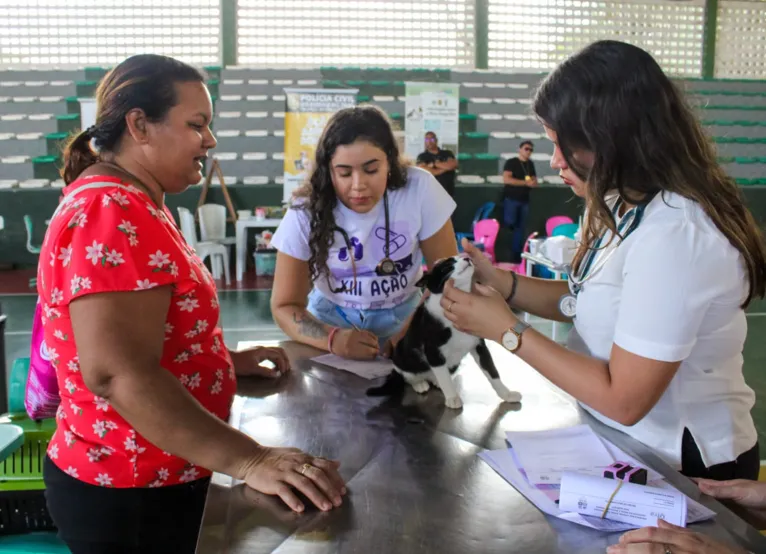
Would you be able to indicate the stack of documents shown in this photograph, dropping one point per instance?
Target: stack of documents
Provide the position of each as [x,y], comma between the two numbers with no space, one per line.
[560,471]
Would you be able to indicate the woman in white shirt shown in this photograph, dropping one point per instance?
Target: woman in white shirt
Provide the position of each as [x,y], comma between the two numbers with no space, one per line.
[351,246]
[659,322]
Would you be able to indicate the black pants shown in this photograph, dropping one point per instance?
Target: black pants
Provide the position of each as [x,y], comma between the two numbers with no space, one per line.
[99,520]
[746,466]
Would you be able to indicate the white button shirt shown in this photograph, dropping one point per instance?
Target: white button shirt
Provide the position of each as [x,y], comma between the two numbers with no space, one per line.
[672,291]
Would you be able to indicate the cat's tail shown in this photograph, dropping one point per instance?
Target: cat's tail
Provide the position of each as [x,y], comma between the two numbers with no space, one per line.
[394,385]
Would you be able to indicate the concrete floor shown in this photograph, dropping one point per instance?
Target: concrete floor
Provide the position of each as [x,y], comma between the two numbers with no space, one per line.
[246,316]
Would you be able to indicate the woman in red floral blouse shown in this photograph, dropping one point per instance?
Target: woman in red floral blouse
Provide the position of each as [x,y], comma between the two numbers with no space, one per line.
[131,321]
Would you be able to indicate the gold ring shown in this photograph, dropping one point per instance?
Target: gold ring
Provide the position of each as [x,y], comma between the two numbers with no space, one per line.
[667,549]
[304,469]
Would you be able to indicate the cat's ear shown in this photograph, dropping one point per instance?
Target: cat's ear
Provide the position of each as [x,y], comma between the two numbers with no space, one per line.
[423,281]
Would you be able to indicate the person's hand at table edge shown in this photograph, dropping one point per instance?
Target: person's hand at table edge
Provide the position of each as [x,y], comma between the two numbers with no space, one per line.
[669,539]
[282,471]
[250,362]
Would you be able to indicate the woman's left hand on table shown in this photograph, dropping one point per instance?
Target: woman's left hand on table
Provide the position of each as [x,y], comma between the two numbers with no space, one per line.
[250,362]
[482,313]
[669,538]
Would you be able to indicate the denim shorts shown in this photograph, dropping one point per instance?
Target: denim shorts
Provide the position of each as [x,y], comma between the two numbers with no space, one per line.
[383,323]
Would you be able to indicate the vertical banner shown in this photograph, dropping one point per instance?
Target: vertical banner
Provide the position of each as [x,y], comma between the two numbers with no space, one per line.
[431,107]
[306,114]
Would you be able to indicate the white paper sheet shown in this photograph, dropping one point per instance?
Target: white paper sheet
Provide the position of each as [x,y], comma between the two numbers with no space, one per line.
[379,367]
[546,455]
[637,505]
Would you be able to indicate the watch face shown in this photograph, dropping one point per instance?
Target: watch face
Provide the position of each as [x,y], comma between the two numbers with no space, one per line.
[510,341]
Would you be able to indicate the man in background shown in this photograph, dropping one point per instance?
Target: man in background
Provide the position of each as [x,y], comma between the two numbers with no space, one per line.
[519,176]
[440,163]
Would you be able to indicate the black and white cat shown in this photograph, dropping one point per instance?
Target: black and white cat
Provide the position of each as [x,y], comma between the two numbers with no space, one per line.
[432,349]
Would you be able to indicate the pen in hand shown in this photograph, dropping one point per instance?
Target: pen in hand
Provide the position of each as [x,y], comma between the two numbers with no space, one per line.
[345,318]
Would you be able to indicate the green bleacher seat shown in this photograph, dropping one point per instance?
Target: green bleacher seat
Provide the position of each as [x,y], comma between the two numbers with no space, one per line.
[468,116]
[463,156]
[475,135]
[728,107]
[356,83]
[746,160]
[486,156]
[362,98]
[332,83]
[44,159]
[379,83]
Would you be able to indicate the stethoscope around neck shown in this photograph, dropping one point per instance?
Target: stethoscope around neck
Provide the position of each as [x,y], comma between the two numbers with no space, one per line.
[386,267]
[627,225]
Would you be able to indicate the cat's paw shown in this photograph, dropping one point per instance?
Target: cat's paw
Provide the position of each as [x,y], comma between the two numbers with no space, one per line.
[509,395]
[454,403]
[421,387]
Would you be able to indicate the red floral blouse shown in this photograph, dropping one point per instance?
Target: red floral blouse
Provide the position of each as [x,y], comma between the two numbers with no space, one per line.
[115,239]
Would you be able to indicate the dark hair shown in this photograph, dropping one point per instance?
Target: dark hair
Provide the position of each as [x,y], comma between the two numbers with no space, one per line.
[431,133]
[525,143]
[613,100]
[367,123]
[146,82]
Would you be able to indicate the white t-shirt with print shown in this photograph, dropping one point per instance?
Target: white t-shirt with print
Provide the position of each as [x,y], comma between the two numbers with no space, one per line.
[672,291]
[416,212]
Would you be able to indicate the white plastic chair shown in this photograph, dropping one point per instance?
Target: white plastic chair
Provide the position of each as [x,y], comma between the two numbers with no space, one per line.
[212,224]
[204,248]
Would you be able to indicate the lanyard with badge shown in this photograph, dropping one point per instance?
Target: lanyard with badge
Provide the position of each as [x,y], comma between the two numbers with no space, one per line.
[628,224]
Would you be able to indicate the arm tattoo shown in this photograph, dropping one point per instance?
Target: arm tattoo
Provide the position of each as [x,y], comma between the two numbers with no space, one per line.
[308,326]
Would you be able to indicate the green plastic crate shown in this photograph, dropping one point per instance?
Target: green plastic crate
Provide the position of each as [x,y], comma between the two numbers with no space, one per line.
[33,543]
[22,497]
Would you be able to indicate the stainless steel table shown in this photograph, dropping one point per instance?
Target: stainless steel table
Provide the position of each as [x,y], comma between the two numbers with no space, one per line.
[415,481]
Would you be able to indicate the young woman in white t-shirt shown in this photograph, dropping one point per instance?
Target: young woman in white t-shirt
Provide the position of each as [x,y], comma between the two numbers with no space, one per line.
[350,248]
[659,321]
